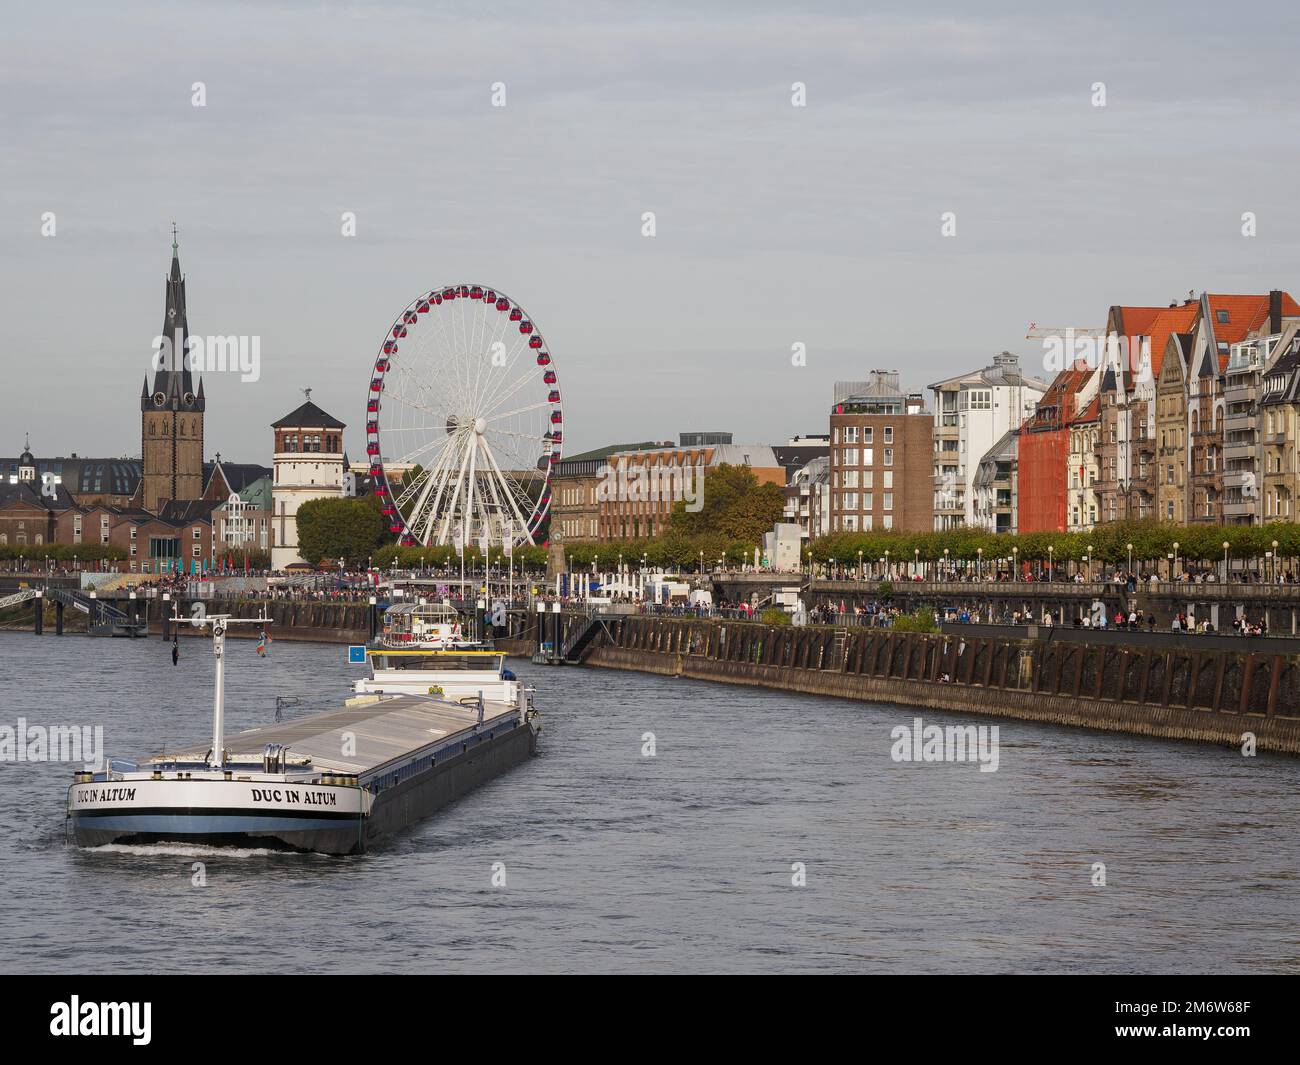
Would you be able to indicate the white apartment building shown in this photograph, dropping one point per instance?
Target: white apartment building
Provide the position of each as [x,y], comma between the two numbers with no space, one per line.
[971,414]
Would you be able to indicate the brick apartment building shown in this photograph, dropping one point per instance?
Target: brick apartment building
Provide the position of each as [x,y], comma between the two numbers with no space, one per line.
[880,459]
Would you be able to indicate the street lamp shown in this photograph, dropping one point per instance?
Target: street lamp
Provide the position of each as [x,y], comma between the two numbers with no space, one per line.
[1130,558]
[830,571]
[886,565]
[1173,576]
[1089,558]
[1226,545]
[1015,562]
[1051,551]
[1274,560]
[980,565]
[859,563]
[916,560]
[701,562]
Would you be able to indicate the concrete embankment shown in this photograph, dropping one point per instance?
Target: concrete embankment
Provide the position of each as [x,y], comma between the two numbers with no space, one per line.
[1187,693]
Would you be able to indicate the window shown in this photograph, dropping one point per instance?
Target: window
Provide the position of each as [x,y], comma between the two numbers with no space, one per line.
[850,434]
[889,521]
[850,478]
[849,500]
[868,456]
[889,456]
[1221,317]
[867,433]
[889,479]
[889,501]
[850,456]
[198,550]
[889,434]
[867,478]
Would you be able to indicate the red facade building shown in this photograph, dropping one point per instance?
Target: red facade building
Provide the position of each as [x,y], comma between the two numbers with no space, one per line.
[1045,453]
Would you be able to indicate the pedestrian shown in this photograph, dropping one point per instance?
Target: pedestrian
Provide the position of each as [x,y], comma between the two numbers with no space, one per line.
[176,650]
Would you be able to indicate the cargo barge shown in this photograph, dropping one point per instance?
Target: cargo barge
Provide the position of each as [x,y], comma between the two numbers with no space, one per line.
[334,782]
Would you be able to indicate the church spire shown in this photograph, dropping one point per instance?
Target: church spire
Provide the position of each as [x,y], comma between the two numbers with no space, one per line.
[173,383]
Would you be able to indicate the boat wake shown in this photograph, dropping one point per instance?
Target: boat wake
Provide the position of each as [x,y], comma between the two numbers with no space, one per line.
[192,850]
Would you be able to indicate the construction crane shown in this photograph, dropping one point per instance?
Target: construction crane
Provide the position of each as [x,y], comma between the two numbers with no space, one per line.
[1042,332]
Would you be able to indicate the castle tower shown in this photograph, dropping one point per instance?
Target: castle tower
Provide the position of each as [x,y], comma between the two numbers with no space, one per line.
[309,464]
[171,429]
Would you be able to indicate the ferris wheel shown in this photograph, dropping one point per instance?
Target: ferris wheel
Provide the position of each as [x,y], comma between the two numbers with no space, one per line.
[463,421]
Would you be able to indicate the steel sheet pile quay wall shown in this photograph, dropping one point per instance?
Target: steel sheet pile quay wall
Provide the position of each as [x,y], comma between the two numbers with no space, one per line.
[1183,692]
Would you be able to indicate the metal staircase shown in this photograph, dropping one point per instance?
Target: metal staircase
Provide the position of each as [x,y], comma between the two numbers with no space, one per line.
[105,619]
[18,598]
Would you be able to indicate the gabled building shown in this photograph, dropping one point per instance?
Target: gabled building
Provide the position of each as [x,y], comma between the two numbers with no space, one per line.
[1221,322]
[1131,360]
[1244,463]
[1172,441]
[1043,450]
[1279,429]
[1084,468]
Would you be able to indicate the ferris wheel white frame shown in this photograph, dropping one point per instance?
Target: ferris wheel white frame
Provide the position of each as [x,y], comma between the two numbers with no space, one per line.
[478,385]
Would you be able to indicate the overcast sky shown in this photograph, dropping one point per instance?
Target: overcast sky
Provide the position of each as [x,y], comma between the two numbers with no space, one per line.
[775,224]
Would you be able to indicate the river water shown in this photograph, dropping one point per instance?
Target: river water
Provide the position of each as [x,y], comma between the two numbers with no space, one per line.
[615,861]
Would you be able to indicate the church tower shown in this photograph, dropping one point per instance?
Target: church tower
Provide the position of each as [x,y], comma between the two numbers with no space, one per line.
[171,429]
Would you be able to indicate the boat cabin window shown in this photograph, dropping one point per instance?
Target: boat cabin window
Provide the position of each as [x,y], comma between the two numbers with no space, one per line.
[439,660]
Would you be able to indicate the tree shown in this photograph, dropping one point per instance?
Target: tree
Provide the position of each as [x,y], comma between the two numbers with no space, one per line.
[735,508]
[350,529]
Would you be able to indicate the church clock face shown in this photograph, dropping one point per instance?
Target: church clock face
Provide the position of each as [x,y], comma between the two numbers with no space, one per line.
[159,399]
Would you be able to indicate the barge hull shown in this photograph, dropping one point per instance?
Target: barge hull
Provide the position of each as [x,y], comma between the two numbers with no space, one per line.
[447,781]
[396,806]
